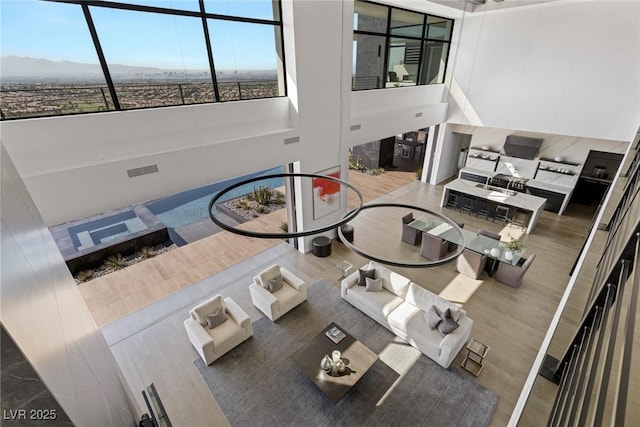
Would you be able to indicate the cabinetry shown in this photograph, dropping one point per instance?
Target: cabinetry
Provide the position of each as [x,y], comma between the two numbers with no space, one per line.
[589,190]
[554,200]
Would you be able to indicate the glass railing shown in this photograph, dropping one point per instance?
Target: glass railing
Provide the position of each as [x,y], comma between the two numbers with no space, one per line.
[365,82]
[30,100]
[18,101]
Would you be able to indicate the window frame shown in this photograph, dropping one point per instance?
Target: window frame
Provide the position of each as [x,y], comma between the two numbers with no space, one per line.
[389,35]
[202,14]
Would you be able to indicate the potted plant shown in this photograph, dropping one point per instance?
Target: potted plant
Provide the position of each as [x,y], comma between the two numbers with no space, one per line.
[512,246]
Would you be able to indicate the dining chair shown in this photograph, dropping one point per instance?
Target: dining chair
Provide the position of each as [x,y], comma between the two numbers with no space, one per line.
[512,275]
[471,263]
[410,235]
[489,234]
[433,247]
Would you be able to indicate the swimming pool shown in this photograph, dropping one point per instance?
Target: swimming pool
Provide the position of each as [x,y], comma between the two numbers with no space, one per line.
[193,205]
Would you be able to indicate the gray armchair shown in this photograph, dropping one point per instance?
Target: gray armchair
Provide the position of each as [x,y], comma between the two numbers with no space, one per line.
[512,275]
[410,235]
[433,247]
[471,263]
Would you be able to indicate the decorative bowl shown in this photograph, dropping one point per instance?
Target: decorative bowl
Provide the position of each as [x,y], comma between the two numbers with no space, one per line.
[558,159]
[486,147]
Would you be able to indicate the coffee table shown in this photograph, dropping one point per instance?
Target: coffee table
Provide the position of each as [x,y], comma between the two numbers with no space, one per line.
[308,359]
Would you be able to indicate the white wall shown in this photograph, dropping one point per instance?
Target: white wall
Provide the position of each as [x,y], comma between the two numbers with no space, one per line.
[446,155]
[571,148]
[566,68]
[75,166]
[46,316]
[387,112]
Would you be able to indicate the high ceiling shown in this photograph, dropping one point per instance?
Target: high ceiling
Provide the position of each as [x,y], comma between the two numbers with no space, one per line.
[484,5]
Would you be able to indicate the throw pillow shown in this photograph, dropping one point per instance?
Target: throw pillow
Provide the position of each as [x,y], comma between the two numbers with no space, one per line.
[442,305]
[373,285]
[432,316]
[207,307]
[272,272]
[275,284]
[216,318]
[447,325]
[363,275]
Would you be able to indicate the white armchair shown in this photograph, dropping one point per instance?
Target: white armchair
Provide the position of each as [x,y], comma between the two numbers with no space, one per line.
[213,343]
[275,304]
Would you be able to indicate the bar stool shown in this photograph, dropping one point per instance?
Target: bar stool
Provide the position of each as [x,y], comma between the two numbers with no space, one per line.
[521,218]
[452,200]
[483,209]
[467,204]
[502,213]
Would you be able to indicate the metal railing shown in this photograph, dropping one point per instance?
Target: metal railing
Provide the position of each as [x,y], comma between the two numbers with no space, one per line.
[56,99]
[594,373]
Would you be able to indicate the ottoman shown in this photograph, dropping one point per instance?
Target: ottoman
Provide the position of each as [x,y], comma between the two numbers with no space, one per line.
[347,231]
[321,246]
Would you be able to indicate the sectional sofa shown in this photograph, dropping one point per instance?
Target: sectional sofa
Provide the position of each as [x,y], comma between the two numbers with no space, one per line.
[408,310]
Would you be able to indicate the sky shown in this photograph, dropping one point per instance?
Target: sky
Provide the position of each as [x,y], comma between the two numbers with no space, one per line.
[59,32]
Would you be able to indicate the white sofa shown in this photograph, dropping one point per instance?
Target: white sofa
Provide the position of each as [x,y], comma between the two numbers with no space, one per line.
[400,307]
[211,344]
[276,304]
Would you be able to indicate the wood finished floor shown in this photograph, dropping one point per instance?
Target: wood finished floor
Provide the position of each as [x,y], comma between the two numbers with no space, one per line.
[117,294]
[151,345]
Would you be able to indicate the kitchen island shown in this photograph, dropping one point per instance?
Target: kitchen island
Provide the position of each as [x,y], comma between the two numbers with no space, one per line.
[515,201]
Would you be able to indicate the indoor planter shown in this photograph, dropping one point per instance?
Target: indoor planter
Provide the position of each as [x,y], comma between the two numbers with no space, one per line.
[513,246]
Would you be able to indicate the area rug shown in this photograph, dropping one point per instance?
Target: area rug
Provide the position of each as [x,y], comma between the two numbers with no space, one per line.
[258,384]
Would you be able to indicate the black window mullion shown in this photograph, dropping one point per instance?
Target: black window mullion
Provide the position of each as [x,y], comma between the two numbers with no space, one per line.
[101,58]
[166,11]
[284,64]
[448,44]
[425,30]
[207,41]
[385,72]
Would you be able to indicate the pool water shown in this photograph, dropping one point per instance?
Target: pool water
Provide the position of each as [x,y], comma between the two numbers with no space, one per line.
[193,205]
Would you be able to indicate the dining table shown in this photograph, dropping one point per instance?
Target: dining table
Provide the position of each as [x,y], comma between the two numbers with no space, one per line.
[494,249]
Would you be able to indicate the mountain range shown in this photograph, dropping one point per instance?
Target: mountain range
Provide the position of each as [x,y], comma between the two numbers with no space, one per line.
[16,68]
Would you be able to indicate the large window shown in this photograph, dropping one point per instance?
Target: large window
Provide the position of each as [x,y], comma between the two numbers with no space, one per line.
[247,58]
[136,54]
[394,47]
